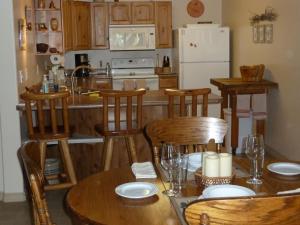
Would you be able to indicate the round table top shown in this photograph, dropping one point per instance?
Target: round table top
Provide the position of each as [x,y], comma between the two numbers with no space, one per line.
[94,201]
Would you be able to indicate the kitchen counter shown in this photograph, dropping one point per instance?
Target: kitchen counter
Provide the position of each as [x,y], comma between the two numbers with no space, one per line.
[151,98]
[86,146]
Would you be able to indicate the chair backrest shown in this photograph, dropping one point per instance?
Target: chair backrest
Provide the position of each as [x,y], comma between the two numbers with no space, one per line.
[127,100]
[185,131]
[29,154]
[269,210]
[183,96]
[44,104]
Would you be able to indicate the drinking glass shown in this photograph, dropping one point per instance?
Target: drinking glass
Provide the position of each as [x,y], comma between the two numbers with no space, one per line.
[170,163]
[255,152]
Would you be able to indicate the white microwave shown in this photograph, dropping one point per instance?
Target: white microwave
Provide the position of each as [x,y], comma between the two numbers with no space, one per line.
[132,37]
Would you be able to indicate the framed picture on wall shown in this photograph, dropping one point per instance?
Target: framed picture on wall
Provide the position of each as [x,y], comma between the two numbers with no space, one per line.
[269,33]
[255,34]
[261,33]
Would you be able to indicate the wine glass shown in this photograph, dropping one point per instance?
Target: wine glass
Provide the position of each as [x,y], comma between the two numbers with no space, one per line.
[255,152]
[169,162]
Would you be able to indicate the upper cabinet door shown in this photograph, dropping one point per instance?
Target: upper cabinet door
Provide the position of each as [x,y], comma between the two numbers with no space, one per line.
[67,24]
[163,23]
[120,13]
[81,25]
[99,18]
[142,12]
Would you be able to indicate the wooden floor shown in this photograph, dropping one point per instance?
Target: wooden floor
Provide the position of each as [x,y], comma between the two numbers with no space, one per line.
[19,213]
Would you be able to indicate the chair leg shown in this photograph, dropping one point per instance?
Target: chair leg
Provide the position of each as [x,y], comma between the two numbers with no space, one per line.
[68,161]
[132,149]
[43,146]
[108,145]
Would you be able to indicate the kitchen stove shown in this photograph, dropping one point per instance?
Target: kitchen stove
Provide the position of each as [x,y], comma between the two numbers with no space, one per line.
[134,73]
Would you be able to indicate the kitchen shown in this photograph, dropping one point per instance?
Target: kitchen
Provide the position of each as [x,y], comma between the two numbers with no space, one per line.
[281,69]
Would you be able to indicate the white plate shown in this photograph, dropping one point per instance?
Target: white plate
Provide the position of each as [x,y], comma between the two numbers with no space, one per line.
[226,190]
[136,190]
[285,168]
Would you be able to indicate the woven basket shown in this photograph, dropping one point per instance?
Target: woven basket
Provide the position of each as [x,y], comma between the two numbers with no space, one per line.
[252,73]
[206,181]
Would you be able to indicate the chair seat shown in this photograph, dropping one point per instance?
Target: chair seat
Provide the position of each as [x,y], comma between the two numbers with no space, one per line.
[48,135]
[112,132]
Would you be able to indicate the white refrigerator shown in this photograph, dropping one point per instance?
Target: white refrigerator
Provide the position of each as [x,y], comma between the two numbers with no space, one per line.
[201,52]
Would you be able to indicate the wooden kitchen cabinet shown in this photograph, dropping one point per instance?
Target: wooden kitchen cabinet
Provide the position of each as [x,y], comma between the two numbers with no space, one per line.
[142,12]
[81,28]
[163,24]
[67,24]
[99,22]
[168,81]
[120,13]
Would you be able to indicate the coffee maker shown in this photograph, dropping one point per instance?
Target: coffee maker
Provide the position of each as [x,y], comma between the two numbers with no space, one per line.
[80,60]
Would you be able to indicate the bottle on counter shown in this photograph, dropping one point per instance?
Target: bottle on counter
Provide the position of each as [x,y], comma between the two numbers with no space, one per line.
[45,84]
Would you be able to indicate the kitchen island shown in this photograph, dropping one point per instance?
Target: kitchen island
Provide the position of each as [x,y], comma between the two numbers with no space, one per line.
[86,147]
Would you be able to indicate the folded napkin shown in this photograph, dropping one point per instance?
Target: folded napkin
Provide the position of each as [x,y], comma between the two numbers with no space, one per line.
[143,170]
[289,191]
[259,106]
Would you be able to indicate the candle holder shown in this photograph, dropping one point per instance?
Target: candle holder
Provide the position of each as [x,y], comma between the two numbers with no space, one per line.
[207,181]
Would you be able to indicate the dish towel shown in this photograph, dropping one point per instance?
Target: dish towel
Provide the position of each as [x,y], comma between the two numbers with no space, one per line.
[259,106]
[243,106]
[143,170]
[289,191]
[140,83]
[128,85]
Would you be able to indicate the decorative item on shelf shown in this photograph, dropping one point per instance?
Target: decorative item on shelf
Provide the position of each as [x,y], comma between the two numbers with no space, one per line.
[53,50]
[54,24]
[268,15]
[51,5]
[252,73]
[195,8]
[42,47]
[41,27]
[41,4]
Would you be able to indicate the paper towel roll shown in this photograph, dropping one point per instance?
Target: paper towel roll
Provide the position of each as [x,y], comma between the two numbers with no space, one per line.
[55,59]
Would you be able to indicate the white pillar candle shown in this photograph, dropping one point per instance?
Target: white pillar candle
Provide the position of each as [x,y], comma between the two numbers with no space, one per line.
[212,166]
[225,164]
[204,155]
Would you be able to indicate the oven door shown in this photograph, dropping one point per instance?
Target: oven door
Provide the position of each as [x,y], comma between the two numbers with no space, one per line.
[123,83]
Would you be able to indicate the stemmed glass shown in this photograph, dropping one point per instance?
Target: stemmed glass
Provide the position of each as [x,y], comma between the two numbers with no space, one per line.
[255,152]
[169,162]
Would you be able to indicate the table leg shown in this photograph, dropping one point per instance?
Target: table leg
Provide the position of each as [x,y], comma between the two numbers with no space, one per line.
[224,104]
[260,127]
[234,124]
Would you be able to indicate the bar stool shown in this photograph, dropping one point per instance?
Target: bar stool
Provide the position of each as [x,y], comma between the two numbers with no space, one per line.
[129,100]
[56,105]
[174,94]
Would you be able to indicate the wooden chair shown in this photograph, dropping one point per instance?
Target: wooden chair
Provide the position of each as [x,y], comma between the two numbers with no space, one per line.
[183,95]
[54,104]
[121,99]
[271,210]
[29,156]
[185,131]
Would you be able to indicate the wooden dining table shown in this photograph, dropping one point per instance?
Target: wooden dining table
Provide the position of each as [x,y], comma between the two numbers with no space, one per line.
[94,201]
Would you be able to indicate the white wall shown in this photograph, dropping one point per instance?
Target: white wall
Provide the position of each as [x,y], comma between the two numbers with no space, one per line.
[281,58]
[12,185]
